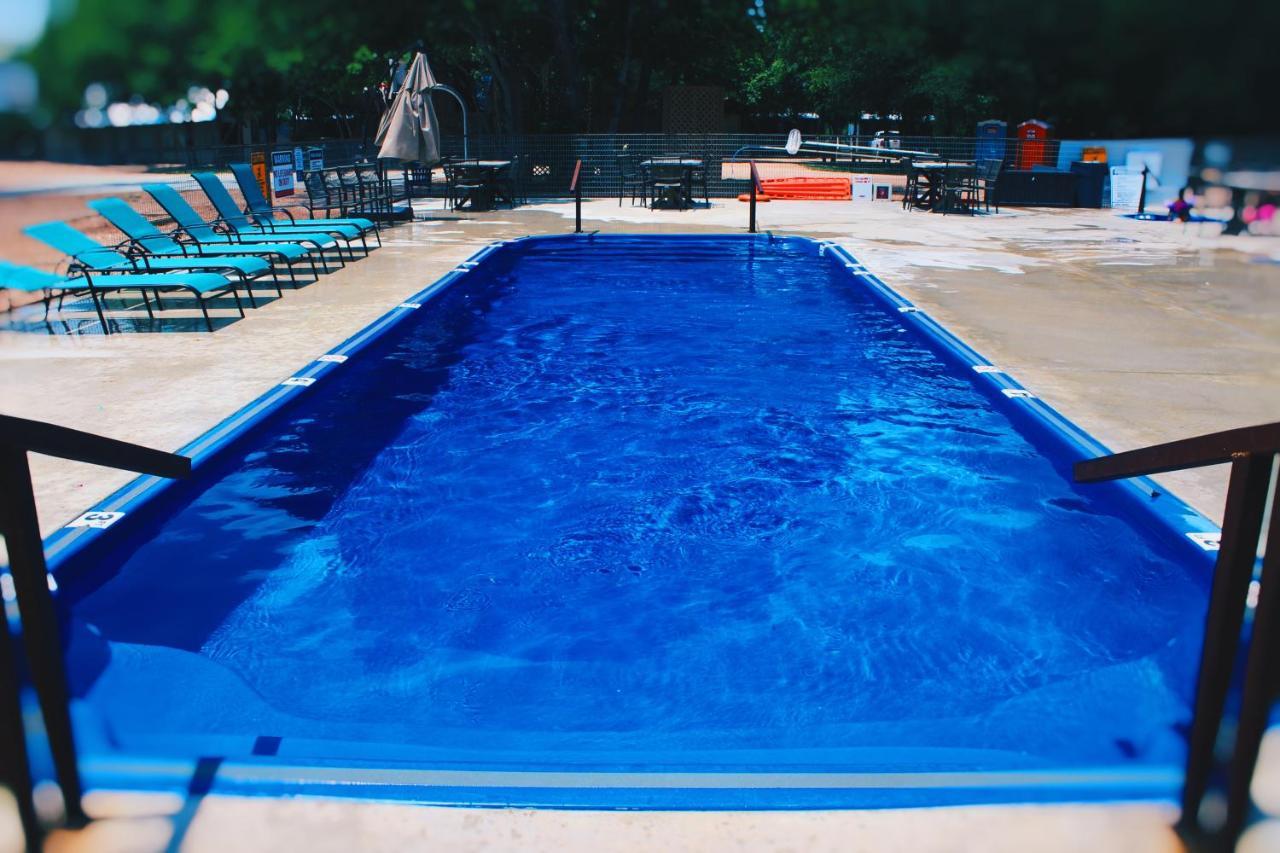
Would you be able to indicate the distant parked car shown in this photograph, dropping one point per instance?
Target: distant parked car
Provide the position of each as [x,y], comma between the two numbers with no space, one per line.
[886,139]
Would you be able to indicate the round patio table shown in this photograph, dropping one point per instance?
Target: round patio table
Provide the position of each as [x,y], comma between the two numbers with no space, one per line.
[687,165]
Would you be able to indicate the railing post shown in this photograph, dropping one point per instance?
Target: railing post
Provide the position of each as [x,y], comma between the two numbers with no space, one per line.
[755,183]
[1233,570]
[15,764]
[38,617]
[1142,194]
[576,186]
[1252,452]
[1260,678]
[40,636]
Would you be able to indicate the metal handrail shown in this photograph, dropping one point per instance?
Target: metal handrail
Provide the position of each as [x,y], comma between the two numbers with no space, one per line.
[1252,453]
[41,638]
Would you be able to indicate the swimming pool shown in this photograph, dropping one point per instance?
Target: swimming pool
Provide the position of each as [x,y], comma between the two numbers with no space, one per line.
[642,521]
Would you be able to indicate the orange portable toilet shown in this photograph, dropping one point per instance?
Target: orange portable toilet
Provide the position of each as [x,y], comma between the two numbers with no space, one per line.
[1033,136]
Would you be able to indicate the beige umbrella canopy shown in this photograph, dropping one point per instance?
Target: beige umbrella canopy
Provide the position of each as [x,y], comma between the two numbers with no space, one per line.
[408,129]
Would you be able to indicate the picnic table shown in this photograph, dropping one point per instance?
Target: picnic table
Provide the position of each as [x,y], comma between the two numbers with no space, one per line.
[486,176]
[687,166]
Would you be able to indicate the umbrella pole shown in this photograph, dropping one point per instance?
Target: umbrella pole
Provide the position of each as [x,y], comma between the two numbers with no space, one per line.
[461,103]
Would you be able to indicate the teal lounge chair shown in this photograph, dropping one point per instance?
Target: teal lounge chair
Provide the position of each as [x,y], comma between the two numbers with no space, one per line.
[229,214]
[88,254]
[201,285]
[155,242]
[192,227]
[262,211]
[31,280]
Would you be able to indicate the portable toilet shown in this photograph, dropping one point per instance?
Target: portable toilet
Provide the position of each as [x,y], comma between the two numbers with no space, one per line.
[1033,143]
[991,140]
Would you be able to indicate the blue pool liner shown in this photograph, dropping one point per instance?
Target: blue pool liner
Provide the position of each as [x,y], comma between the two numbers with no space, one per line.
[378,777]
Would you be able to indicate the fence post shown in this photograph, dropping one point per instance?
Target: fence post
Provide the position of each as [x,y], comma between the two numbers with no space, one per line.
[576,187]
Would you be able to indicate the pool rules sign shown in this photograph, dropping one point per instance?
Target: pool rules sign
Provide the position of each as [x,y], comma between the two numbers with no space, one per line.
[282,174]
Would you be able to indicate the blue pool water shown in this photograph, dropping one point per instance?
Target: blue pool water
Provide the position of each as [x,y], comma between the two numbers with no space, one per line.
[644,505]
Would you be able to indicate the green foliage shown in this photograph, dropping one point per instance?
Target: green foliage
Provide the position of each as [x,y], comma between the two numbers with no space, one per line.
[1092,67]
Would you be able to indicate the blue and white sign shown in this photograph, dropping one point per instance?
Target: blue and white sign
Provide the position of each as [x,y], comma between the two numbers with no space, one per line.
[282,173]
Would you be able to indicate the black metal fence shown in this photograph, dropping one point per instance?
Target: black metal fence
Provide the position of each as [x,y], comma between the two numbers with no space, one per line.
[546,160]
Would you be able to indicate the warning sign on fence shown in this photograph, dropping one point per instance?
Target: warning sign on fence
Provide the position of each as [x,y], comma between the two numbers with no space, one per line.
[282,175]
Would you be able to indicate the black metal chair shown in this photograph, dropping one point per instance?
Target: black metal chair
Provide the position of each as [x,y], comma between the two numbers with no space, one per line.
[417,180]
[349,181]
[508,185]
[321,194]
[989,178]
[912,189]
[630,177]
[698,178]
[466,185]
[667,182]
[960,189]
[373,191]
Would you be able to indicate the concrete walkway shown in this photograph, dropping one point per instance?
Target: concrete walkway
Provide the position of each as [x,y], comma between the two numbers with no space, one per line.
[1140,332]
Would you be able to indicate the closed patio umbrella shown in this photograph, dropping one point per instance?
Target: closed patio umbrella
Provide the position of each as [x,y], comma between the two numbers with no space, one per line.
[408,129]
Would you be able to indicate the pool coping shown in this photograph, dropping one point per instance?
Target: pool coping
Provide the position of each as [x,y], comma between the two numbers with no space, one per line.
[1185,525]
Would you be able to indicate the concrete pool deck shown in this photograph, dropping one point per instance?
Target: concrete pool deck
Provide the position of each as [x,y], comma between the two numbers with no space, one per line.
[1140,332]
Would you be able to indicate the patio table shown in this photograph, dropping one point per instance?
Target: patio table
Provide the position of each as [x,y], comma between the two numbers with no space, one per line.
[688,165]
[934,179]
[488,174]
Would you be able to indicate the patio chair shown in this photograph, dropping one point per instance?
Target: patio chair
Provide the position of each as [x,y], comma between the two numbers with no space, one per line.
[379,186]
[960,187]
[989,179]
[201,285]
[417,180]
[450,181]
[344,198]
[192,228]
[912,189]
[242,225]
[88,255]
[322,195]
[667,181]
[631,178]
[508,184]
[464,185]
[699,178]
[155,242]
[263,212]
